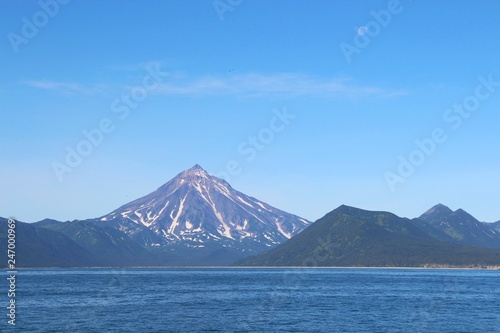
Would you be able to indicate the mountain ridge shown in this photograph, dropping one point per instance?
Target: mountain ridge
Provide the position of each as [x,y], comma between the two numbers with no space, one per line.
[198,219]
[349,236]
[459,227]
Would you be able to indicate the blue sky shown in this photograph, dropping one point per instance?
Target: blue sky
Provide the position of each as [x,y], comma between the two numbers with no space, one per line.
[304,105]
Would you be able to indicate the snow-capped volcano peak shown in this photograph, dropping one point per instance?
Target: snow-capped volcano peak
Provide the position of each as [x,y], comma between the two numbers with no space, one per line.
[195,171]
[195,209]
[197,178]
[198,175]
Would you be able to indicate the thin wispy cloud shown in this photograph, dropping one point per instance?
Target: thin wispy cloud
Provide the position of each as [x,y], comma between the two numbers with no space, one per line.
[283,85]
[252,85]
[67,88]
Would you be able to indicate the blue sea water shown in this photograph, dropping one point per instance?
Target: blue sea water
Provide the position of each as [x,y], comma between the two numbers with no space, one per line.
[256,300]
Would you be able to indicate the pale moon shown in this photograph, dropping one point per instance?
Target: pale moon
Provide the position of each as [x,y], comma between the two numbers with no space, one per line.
[362,30]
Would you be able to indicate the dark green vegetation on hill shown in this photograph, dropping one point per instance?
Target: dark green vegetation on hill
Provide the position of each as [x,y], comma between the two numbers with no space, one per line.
[458,227]
[349,236]
[40,247]
[346,236]
[108,244]
[50,243]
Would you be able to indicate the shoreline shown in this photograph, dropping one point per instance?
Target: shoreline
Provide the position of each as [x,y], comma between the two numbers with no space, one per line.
[485,268]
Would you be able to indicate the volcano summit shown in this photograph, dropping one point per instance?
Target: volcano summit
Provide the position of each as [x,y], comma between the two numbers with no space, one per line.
[200,213]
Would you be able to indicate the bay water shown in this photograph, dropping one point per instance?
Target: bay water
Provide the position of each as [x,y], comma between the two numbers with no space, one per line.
[255,300]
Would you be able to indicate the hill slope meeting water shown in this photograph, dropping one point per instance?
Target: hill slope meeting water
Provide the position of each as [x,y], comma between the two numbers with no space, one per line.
[349,236]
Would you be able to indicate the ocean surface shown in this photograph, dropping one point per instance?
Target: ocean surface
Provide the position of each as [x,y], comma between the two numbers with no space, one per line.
[255,300]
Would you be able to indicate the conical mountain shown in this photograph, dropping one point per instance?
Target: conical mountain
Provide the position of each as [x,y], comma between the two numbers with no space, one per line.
[195,210]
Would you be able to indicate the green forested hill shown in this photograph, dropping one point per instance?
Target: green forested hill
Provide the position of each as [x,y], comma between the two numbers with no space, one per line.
[349,236]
